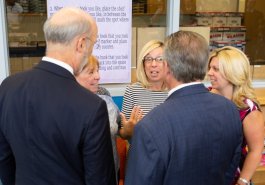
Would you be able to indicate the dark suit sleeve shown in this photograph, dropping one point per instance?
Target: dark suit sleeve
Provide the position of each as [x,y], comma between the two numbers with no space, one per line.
[145,165]
[97,150]
[230,173]
[7,162]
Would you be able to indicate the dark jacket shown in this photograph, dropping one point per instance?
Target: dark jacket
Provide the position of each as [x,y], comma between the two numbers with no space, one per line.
[194,137]
[53,131]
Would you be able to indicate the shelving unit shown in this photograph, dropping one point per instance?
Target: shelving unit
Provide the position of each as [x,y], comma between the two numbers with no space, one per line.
[140,7]
[259,177]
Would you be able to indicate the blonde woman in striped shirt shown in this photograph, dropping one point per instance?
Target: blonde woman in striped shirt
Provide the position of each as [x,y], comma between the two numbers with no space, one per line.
[149,90]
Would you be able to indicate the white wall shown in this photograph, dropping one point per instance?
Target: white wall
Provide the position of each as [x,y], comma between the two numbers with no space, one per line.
[4,68]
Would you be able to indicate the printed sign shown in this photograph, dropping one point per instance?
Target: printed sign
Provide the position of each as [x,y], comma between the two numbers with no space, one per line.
[113,47]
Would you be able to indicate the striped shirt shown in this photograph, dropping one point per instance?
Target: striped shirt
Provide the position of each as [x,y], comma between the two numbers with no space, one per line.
[137,95]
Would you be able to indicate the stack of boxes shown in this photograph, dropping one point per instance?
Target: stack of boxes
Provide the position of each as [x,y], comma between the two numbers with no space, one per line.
[138,6]
[37,6]
[149,6]
[226,28]
[33,6]
[25,5]
[18,64]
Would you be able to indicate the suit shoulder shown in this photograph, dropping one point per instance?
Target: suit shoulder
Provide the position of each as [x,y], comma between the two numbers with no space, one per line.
[222,100]
[15,80]
[87,96]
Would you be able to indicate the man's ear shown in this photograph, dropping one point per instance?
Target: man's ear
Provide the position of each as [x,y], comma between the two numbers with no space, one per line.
[168,71]
[81,44]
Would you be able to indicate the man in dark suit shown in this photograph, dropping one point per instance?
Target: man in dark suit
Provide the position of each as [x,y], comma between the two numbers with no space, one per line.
[194,137]
[52,130]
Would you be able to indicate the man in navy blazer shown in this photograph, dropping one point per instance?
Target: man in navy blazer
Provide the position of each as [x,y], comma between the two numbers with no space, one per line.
[52,130]
[194,137]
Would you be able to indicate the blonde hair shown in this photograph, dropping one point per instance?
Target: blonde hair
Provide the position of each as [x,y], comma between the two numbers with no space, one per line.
[140,72]
[234,66]
[92,62]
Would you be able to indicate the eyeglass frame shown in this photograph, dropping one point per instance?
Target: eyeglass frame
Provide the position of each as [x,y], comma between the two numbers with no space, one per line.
[149,60]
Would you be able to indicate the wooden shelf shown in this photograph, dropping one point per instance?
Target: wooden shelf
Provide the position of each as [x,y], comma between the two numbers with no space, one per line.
[260,92]
[259,176]
[33,14]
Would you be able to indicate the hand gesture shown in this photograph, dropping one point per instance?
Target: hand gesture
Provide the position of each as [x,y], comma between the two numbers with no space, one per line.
[127,128]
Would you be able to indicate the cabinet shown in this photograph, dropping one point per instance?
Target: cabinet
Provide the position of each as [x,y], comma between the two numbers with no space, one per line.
[18,64]
[254,20]
[187,6]
[26,29]
[156,6]
[26,40]
[259,176]
[149,7]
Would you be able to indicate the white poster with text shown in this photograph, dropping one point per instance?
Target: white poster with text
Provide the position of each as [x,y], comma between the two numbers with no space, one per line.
[113,47]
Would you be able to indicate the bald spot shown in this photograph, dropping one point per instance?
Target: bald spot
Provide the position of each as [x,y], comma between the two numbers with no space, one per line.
[67,16]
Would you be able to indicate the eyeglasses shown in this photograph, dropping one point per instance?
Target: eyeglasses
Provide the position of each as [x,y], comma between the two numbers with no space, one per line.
[149,60]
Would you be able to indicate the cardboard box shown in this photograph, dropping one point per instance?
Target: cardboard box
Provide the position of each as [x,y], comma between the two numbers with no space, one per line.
[202,30]
[216,36]
[219,21]
[204,18]
[233,21]
[216,33]
[204,21]
[238,44]
[219,44]
[235,34]
[234,18]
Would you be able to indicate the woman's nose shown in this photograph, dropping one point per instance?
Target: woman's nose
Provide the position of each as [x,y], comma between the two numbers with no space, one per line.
[97,76]
[154,63]
[210,72]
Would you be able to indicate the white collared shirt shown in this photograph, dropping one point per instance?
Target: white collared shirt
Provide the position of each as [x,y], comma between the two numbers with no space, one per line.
[181,86]
[59,63]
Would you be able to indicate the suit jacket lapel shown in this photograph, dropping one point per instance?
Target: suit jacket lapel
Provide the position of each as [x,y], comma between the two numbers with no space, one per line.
[53,68]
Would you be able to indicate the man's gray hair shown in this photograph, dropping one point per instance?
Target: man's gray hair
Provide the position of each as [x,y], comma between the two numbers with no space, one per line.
[63,26]
[187,54]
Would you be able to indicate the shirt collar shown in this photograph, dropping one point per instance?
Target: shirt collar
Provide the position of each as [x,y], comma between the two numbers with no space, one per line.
[59,63]
[181,86]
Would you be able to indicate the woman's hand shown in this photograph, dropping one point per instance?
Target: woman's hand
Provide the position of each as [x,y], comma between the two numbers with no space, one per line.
[127,128]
